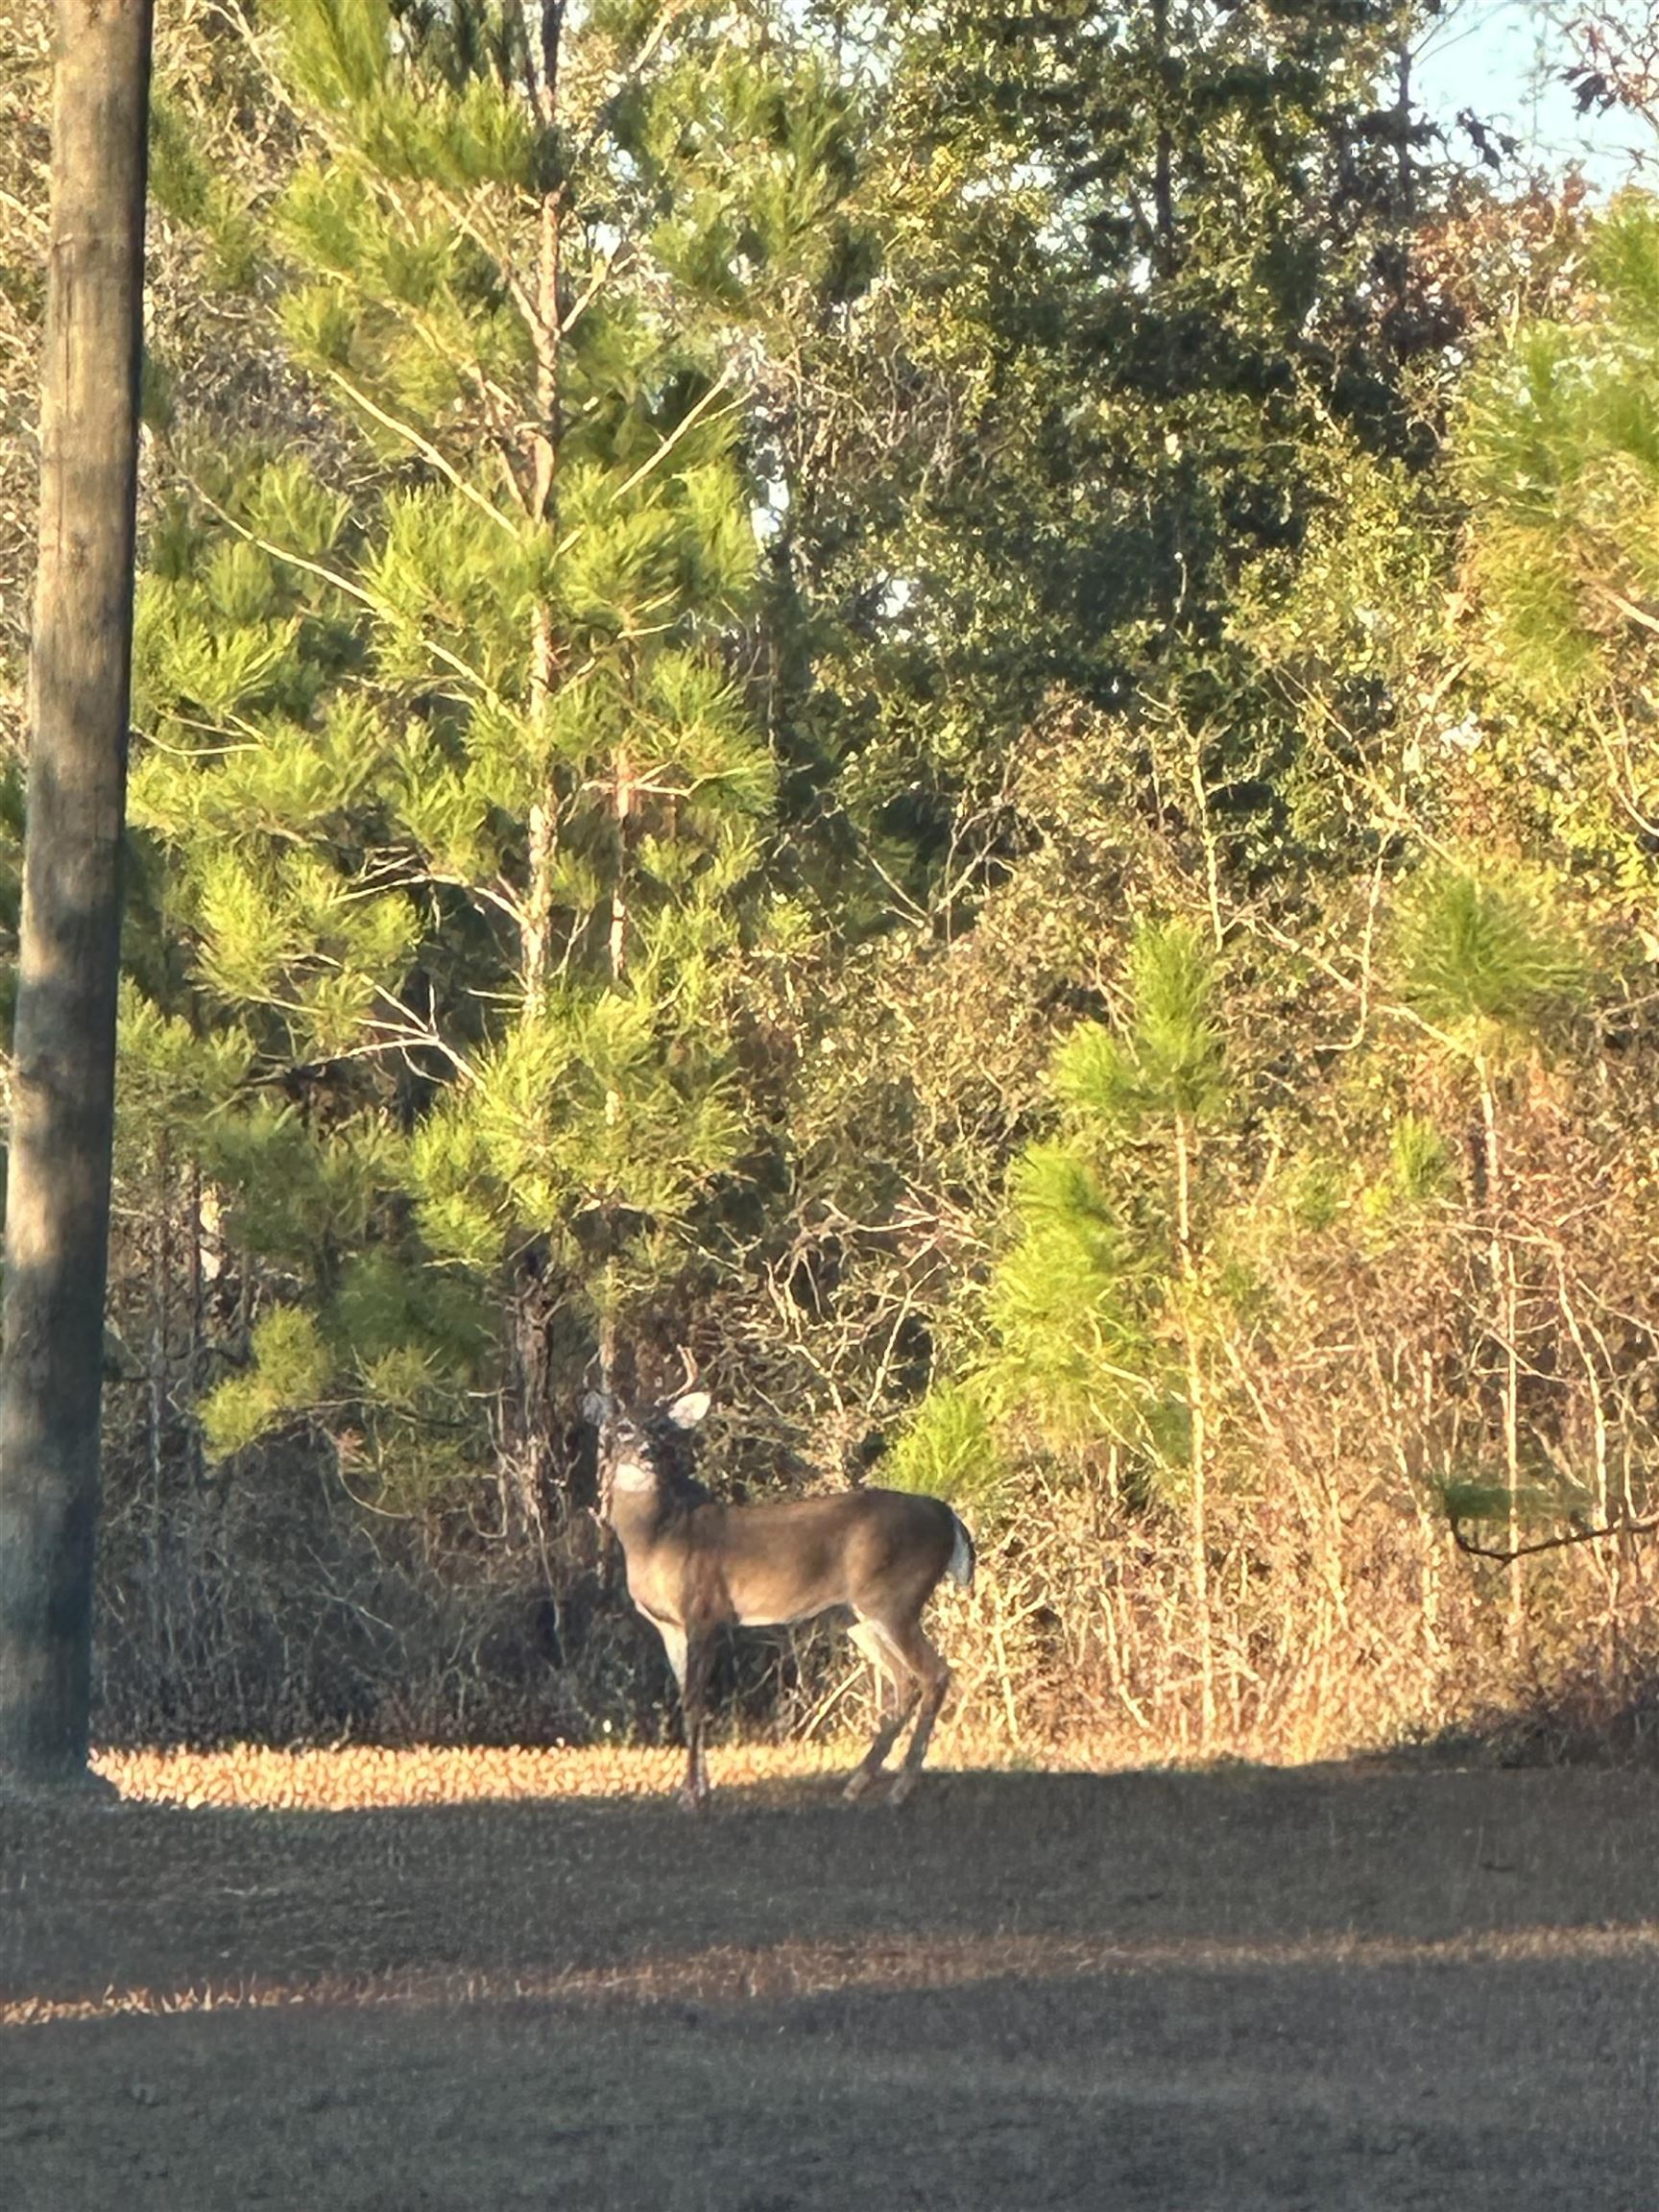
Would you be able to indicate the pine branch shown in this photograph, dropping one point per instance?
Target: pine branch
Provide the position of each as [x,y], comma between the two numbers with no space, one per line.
[468,222]
[590,291]
[1643,616]
[626,79]
[1507,1553]
[419,1033]
[424,446]
[680,430]
[350,586]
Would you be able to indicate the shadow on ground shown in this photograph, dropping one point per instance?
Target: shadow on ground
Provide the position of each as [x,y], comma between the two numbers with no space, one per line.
[1196,1992]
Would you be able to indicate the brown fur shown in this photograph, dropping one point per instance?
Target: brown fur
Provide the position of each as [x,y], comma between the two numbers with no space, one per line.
[695,1565]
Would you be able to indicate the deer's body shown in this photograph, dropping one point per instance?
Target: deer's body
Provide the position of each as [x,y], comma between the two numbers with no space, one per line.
[696,1565]
[759,1566]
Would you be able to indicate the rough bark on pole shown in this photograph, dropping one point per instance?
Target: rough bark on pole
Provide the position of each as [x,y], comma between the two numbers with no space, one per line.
[63,1047]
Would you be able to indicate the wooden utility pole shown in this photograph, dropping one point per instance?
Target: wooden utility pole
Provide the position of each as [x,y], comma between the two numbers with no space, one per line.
[64,1048]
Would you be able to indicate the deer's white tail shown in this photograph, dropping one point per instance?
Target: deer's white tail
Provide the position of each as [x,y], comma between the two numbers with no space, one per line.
[960,1567]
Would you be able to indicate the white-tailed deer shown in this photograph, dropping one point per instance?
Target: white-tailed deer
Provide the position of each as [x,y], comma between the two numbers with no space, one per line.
[695,1565]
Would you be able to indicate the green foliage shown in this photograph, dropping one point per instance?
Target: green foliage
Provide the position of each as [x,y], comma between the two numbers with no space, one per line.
[301,1195]
[290,1373]
[1472,1498]
[1110,1267]
[340,51]
[573,1113]
[950,1449]
[1559,449]
[1170,1060]
[1132,300]
[1489,962]
[173,1079]
[457,806]
[1072,1348]
[1419,1161]
[181,182]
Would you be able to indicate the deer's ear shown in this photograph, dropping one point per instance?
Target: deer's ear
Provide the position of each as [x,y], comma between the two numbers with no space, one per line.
[688,1408]
[594,1406]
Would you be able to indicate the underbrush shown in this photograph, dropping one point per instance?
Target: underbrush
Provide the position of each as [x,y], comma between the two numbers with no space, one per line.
[1342,1621]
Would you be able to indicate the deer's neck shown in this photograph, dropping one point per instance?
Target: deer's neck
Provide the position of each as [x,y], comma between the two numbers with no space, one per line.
[640,1502]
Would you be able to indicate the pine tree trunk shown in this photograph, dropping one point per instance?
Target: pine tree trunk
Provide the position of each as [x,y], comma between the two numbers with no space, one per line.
[1199,1459]
[1505,1296]
[545,335]
[526,1456]
[58,1194]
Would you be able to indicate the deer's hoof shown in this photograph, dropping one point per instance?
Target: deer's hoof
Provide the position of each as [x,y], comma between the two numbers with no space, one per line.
[859,1783]
[691,1800]
[904,1783]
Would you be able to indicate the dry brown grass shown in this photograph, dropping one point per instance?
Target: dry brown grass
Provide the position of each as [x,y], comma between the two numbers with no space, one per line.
[351,1777]
[731,1974]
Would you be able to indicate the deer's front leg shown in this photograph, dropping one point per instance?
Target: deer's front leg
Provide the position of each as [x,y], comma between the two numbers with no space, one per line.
[688,1656]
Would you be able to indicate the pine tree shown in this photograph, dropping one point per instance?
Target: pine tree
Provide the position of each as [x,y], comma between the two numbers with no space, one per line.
[1494,974]
[1096,1314]
[455,787]
[1556,448]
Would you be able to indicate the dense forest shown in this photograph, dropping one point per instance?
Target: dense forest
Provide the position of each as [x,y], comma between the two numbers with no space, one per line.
[947,708]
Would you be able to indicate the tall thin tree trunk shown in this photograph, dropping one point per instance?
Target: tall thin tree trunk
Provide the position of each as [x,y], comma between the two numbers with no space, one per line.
[525,1455]
[622,804]
[161,1273]
[621,809]
[546,337]
[1199,1458]
[1164,151]
[64,1048]
[1405,208]
[1505,1295]
[193,1351]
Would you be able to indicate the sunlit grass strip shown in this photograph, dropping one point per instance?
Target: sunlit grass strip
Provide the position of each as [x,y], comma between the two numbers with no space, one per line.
[785,1971]
[357,1776]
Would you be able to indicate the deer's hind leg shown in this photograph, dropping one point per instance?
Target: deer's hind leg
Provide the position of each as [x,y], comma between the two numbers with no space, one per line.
[897,1692]
[927,1668]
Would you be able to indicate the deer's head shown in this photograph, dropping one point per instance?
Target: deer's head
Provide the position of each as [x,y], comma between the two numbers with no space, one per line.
[644,1453]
